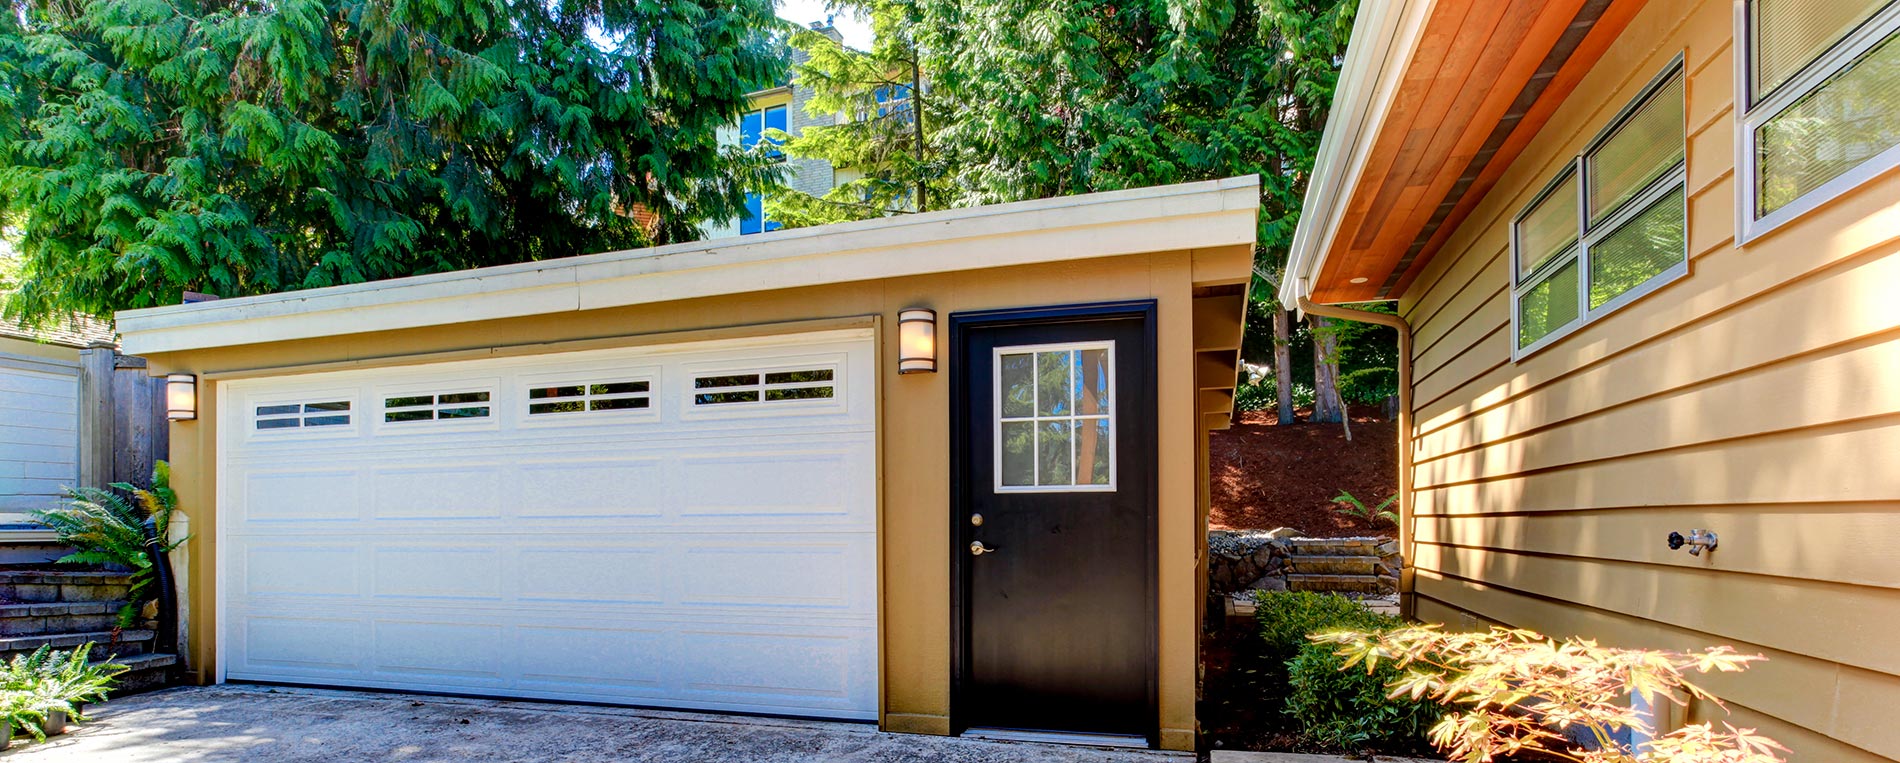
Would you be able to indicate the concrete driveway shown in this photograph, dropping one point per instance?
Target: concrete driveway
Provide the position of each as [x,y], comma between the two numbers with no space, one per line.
[256,723]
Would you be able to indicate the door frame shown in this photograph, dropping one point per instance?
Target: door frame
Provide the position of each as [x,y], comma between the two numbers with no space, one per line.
[960,325]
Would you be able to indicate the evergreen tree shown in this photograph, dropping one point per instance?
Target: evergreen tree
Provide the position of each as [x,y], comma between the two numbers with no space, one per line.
[232,147]
[1026,99]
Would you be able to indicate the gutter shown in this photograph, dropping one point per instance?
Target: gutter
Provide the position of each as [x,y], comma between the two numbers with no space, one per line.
[1407,605]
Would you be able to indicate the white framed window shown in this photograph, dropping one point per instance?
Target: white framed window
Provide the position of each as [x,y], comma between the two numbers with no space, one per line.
[290,416]
[764,387]
[1054,418]
[612,396]
[1820,83]
[1610,227]
[403,408]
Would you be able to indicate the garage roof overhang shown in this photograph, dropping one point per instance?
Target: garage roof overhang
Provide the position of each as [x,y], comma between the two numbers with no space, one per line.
[1213,217]
[1435,100]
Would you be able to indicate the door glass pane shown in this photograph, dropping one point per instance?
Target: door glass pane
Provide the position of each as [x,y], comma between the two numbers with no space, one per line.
[1091,452]
[1642,248]
[1847,120]
[1091,382]
[1019,385]
[1548,306]
[1789,34]
[1052,383]
[1548,228]
[1053,463]
[1019,453]
[1640,151]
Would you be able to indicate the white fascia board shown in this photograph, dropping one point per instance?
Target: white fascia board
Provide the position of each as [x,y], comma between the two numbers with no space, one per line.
[1385,33]
[1189,216]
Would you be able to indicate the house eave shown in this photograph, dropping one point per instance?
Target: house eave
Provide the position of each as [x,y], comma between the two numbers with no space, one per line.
[1384,37]
[1203,215]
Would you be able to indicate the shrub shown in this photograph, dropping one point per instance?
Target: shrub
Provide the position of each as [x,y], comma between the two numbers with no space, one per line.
[1287,618]
[1352,709]
[1518,691]
[105,528]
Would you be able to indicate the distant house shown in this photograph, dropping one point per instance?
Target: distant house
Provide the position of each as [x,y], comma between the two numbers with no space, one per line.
[1646,252]
[781,107]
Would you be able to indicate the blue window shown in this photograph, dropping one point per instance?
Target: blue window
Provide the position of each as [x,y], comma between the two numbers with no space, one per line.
[754,220]
[892,99]
[753,125]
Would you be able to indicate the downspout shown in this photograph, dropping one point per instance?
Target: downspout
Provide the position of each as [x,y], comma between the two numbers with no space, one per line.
[1405,430]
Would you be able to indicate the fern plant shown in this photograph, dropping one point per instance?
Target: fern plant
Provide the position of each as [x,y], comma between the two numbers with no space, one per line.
[48,681]
[103,527]
[1351,506]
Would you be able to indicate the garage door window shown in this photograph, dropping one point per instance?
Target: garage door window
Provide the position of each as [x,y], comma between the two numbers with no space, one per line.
[302,415]
[764,387]
[438,407]
[588,398]
[1053,418]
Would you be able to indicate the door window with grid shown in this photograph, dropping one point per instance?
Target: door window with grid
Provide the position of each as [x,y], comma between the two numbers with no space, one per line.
[1054,418]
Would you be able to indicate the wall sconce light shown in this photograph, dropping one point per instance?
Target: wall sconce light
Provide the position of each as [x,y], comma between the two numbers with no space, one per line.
[917,341]
[181,397]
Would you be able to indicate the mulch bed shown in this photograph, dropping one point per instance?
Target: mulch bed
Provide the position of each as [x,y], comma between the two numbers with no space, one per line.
[1267,476]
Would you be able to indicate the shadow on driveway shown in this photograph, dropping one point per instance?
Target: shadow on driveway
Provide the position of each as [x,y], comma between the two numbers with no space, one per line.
[258,723]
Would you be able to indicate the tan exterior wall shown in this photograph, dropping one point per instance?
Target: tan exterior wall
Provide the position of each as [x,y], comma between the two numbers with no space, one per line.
[1755,397]
[28,348]
[914,442]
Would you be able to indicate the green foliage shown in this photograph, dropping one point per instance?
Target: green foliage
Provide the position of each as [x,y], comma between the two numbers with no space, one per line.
[1351,506]
[151,146]
[1287,617]
[1517,691]
[1351,709]
[105,528]
[46,681]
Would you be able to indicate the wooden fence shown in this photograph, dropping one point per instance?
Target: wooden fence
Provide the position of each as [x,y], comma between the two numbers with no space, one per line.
[122,424]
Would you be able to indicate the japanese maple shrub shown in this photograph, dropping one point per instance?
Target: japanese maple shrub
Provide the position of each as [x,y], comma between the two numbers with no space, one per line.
[1517,691]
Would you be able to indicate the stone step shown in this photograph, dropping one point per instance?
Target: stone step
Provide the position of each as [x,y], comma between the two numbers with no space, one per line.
[1334,546]
[148,672]
[58,617]
[128,643]
[1324,582]
[1333,565]
[48,586]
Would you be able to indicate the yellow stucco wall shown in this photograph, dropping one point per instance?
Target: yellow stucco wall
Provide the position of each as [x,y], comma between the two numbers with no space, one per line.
[1755,397]
[914,439]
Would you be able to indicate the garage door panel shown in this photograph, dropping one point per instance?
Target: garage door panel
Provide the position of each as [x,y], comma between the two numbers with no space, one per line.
[671,555]
[591,489]
[307,647]
[285,570]
[303,495]
[464,570]
[625,574]
[448,653]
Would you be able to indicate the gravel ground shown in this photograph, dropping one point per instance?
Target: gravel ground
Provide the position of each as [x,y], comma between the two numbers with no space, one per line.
[254,723]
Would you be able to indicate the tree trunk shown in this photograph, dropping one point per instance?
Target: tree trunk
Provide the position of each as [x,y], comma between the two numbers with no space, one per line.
[1283,364]
[1327,407]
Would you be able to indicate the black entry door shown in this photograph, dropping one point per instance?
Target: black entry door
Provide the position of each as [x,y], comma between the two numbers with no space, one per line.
[1054,517]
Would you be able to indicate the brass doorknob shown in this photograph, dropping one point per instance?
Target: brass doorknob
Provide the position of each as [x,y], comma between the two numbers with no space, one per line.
[978,549]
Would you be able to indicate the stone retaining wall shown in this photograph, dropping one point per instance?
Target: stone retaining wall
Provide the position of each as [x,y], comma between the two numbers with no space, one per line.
[1281,560]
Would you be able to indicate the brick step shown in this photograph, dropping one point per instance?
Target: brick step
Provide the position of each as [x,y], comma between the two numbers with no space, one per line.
[1325,582]
[1333,565]
[48,586]
[58,617]
[130,643]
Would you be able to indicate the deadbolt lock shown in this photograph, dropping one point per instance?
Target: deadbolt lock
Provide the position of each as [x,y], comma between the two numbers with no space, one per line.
[976,519]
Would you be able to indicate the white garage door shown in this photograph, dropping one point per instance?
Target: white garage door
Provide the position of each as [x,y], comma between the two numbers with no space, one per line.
[683,526]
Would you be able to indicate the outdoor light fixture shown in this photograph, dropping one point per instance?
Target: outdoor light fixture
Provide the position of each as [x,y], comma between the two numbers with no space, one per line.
[917,340]
[181,397]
